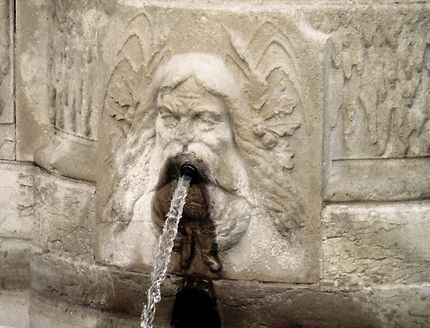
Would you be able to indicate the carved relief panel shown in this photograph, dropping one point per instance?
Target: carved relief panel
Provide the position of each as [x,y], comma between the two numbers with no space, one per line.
[74,90]
[6,46]
[7,114]
[241,101]
[378,119]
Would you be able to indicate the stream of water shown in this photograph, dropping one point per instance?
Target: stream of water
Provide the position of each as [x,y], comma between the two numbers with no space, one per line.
[165,247]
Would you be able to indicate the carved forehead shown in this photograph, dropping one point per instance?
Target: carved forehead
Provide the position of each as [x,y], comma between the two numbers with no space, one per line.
[191,88]
[209,70]
[190,95]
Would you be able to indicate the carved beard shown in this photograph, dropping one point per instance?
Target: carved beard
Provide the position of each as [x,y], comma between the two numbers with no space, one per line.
[223,183]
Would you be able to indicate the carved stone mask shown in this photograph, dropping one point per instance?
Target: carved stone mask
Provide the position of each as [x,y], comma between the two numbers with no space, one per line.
[244,109]
[193,124]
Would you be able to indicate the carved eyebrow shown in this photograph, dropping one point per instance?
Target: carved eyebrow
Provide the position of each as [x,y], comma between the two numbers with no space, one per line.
[163,109]
[212,114]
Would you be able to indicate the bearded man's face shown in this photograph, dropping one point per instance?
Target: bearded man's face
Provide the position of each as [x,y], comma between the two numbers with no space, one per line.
[193,125]
[192,120]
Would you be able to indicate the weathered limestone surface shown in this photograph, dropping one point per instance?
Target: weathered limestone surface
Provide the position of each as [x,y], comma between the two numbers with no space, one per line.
[16,200]
[14,263]
[14,309]
[369,244]
[377,120]
[102,74]
[46,313]
[7,141]
[64,218]
[74,91]
[257,77]
[241,304]
[16,224]
[6,63]
[32,78]
[289,306]
[7,110]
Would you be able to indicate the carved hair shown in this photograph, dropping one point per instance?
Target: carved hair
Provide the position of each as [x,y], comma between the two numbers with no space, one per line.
[266,177]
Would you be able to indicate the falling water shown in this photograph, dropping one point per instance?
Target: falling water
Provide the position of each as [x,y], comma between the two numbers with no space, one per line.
[165,246]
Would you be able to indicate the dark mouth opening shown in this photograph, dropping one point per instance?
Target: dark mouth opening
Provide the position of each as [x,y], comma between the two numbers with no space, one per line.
[178,166]
[190,171]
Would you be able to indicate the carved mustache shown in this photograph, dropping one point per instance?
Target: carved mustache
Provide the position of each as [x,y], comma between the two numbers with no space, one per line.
[206,174]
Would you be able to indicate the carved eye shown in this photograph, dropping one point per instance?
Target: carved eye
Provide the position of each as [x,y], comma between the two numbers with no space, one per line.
[206,120]
[169,119]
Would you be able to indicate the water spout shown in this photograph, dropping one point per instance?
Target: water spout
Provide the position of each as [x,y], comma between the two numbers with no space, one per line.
[166,243]
[190,171]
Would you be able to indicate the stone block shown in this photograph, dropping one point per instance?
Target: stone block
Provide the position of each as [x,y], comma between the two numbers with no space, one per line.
[97,287]
[69,280]
[240,303]
[14,264]
[7,112]
[7,141]
[64,219]
[48,313]
[32,76]
[399,305]
[16,200]
[75,92]
[259,74]
[368,244]
[257,305]
[14,308]
[69,156]
[377,127]
[252,304]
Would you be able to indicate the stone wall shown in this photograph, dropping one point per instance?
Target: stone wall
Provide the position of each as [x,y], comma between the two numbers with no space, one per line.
[357,159]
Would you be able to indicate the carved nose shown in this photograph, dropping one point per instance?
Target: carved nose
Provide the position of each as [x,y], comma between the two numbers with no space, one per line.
[184,133]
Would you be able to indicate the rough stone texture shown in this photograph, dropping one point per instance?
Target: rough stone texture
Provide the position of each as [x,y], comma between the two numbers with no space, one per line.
[14,263]
[7,141]
[377,120]
[371,244]
[280,306]
[16,200]
[73,92]
[32,97]
[241,304]
[75,282]
[64,219]
[7,112]
[16,223]
[73,43]
[14,307]
[81,71]
[95,287]
[248,66]
[46,313]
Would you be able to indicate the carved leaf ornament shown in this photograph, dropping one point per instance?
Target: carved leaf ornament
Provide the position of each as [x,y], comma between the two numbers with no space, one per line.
[266,65]
[272,94]
[269,74]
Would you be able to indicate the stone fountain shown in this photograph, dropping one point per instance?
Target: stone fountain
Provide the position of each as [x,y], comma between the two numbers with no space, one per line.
[235,109]
[303,130]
